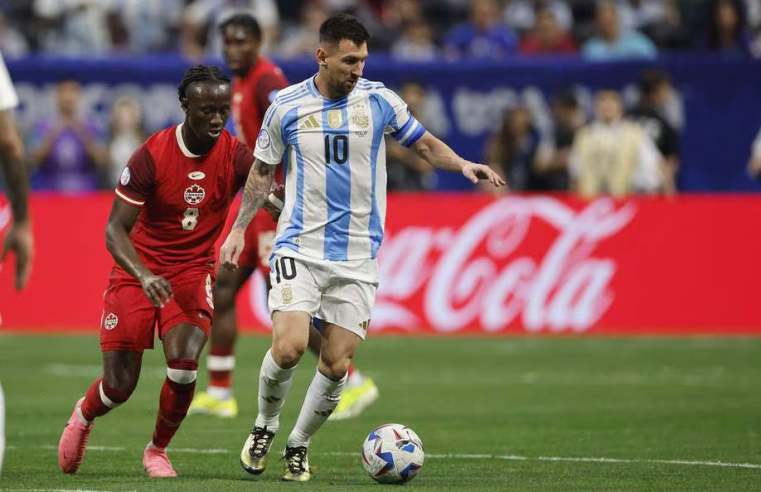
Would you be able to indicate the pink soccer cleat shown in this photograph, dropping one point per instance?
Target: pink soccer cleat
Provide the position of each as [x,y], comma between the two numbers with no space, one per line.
[73,443]
[157,464]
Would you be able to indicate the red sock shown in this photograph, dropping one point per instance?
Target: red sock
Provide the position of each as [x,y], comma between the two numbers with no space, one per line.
[176,395]
[221,363]
[94,404]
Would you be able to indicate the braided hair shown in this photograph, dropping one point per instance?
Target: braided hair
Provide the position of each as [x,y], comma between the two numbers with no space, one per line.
[201,73]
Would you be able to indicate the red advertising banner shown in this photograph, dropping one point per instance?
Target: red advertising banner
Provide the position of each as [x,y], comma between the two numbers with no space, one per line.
[474,264]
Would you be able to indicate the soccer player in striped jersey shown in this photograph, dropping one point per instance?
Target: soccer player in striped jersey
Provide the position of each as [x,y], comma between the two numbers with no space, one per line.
[328,132]
[255,82]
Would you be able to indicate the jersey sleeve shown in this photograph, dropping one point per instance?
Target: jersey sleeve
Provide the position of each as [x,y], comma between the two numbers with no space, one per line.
[267,88]
[269,144]
[400,124]
[8,96]
[138,178]
[242,162]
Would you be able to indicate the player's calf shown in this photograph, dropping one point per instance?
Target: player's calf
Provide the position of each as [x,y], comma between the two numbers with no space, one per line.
[99,400]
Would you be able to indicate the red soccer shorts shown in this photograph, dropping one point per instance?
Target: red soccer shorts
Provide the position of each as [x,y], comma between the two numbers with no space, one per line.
[260,238]
[129,319]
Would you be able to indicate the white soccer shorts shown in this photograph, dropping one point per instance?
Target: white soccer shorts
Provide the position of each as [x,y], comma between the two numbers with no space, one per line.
[337,292]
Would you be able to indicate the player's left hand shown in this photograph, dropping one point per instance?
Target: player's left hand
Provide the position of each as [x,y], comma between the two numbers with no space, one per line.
[19,240]
[474,172]
[231,249]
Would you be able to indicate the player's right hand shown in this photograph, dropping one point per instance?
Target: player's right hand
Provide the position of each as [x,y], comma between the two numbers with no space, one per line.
[231,249]
[157,289]
[19,240]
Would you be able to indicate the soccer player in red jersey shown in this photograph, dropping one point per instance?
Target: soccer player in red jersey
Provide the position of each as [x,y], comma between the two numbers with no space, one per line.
[170,207]
[255,83]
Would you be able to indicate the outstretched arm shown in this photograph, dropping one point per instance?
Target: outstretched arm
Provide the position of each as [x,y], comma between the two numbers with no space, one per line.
[19,237]
[119,244]
[255,193]
[440,155]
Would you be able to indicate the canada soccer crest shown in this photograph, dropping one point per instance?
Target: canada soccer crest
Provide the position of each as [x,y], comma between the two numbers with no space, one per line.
[194,195]
[110,321]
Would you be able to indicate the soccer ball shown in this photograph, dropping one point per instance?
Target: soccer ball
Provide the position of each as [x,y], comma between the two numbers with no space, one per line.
[392,453]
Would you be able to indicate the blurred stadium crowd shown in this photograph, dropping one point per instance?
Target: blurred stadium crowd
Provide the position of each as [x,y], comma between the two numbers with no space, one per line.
[407,29]
[71,151]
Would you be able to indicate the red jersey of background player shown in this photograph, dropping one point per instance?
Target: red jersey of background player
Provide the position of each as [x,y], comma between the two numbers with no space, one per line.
[185,198]
[252,95]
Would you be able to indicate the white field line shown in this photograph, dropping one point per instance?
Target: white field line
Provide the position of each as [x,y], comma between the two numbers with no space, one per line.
[459,456]
[92,371]
[57,490]
[511,457]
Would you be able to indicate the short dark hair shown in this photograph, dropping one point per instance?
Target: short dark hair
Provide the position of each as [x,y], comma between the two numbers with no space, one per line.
[201,73]
[343,26]
[650,80]
[565,98]
[244,20]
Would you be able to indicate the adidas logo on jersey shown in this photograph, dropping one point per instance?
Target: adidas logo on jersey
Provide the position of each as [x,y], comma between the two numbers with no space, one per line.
[310,122]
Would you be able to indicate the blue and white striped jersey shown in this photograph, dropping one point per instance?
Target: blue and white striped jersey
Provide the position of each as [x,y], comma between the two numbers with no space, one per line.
[335,166]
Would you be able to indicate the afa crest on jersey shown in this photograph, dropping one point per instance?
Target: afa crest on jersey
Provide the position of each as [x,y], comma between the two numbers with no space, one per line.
[194,195]
[359,117]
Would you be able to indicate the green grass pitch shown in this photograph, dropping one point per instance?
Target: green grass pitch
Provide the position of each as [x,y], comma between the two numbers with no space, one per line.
[512,414]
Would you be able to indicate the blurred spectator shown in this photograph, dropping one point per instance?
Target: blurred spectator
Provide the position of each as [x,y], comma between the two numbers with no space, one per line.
[655,90]
[612,155]
[74,27]
[12,42]
[658,19]
[484,36]
[754,164]
[415,42]
[149,26]
[521,15]
[69,156]
[202,18]
[405,170]
[299,40]
[551,163]
[547,37]
[512,149]
[611,43]
[727,31]
[641,14]
[126,135]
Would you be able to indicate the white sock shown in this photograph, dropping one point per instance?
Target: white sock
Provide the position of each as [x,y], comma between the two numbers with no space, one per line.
[219,393]
[274,383]
[154,447]
[356,379]
[322,397]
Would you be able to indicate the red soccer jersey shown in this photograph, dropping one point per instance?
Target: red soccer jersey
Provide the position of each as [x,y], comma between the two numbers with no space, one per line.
[184,198]
[252,95]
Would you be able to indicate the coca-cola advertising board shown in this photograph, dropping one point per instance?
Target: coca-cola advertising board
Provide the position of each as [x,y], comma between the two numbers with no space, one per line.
[469,264]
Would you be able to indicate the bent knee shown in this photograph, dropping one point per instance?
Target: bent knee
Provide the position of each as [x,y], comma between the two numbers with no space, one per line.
[224,295]
[119,386]
[335,369]
[287,353]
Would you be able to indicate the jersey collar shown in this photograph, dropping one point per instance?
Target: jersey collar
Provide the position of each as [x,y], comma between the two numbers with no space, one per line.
[186,152]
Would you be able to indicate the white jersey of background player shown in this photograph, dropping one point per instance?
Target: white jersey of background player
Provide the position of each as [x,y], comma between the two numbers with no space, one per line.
[18,237]
[328,132]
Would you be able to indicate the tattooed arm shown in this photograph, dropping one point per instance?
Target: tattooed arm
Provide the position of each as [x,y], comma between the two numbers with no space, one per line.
[255,193]
[19,237]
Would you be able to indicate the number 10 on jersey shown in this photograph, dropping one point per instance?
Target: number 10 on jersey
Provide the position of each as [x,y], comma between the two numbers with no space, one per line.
[336,151]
